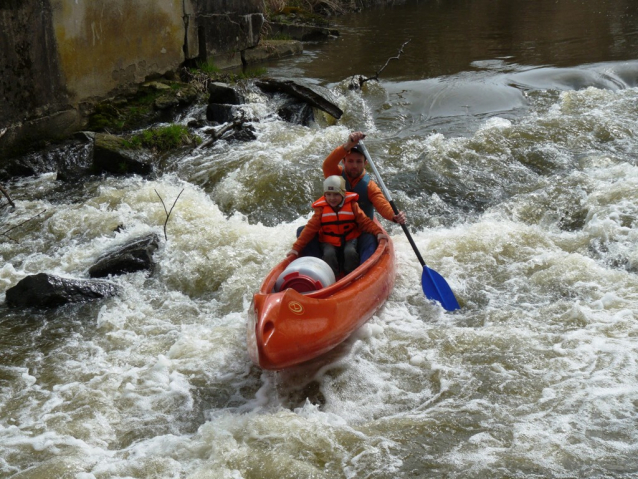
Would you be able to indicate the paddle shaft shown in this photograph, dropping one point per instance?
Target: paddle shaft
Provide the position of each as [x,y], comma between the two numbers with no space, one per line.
[391,201]
[434,285]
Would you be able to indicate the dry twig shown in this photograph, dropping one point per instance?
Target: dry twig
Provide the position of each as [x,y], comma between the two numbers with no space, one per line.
[361,80]
[168,212]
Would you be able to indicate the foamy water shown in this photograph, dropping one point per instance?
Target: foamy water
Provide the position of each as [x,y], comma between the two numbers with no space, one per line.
[531,219]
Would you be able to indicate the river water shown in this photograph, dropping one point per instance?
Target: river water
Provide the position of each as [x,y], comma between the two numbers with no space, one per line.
[507,131]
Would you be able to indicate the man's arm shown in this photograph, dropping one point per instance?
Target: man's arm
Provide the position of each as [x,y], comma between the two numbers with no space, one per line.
[382,205]
[378,200]
[331,163]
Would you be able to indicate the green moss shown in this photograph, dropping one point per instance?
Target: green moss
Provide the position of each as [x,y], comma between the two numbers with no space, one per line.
[130,113]
[163,138]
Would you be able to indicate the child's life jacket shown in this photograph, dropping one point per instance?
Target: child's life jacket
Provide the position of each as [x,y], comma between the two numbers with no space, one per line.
[339,226]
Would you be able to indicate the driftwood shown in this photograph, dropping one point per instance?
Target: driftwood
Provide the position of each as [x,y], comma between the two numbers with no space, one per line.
[6,194]
[168,212]
[218,133]
[357,82]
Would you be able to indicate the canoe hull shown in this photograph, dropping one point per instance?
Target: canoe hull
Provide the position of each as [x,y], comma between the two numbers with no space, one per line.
[288,328]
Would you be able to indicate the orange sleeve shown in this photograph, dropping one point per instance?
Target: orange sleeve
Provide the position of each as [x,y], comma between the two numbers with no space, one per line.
[309,231]
[363,222]
[331,163]
[377,198]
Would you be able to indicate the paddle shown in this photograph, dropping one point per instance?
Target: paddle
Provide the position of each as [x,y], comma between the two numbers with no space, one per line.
[433,284]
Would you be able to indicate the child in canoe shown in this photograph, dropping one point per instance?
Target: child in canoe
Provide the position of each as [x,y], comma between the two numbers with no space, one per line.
[339,221]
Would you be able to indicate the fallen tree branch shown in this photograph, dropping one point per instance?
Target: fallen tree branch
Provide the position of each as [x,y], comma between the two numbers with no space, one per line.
[6,194]
[4,233]
[217,134]
[361,80]
[168,212]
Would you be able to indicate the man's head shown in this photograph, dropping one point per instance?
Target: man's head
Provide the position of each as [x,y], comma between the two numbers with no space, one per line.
[354,163]
[334,190]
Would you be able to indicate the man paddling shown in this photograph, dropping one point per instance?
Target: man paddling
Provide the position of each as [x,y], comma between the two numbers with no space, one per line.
[358,181]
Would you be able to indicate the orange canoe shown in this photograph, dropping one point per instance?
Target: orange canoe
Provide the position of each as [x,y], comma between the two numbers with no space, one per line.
[289,328]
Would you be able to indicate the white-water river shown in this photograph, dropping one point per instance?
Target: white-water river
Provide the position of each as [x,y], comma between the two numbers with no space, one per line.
[521,186]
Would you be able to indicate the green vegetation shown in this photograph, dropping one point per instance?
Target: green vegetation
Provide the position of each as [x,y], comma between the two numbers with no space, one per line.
[306,7]
[205,67]
[163,138]
[140,109]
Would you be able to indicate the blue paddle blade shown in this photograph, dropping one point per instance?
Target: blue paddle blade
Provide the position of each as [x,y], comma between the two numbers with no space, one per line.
[437,289]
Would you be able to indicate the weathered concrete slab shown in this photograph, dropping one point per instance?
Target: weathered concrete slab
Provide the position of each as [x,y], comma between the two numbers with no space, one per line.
[304,33]
[223,37]
[269,49]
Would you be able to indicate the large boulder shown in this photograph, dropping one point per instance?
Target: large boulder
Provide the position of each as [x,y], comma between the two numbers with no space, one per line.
[222,93]
[111,154]
[315,95]
[46,290]
[134,256]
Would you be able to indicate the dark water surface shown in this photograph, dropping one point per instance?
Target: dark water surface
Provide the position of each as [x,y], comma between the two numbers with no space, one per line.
[448,37]
[507,130]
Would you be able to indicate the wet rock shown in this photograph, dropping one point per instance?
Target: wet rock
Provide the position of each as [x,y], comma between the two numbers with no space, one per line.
[111,154]
[315,95]
[221,113]
[246,133]
[297,112]
[77,163]
[222,93]
[184,96]
[134,256]
[47,291]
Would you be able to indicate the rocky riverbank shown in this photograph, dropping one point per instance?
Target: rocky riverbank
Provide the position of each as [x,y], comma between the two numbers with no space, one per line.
[64,60]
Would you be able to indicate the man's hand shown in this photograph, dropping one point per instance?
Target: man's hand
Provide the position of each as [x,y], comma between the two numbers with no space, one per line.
[400,218]
[353,139]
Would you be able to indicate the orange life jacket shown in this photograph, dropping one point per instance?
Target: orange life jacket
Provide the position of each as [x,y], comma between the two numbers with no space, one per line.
[337,227]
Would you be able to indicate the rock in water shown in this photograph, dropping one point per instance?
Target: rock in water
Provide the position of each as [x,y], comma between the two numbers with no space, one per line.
[46,290]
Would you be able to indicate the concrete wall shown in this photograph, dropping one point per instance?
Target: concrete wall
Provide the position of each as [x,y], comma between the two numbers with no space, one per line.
[57,57]
[103,45]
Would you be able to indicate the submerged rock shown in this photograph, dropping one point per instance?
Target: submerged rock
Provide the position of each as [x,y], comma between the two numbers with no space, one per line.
[134,256]
[46,291]
[298,112]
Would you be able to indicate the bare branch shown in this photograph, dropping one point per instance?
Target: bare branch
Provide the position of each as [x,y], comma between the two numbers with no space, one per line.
[4,233]
[168,212]
[362,80]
